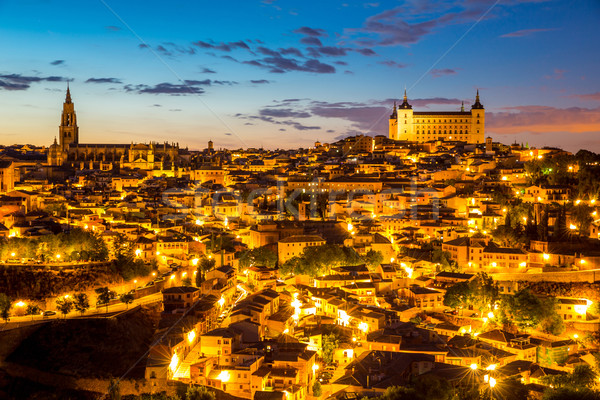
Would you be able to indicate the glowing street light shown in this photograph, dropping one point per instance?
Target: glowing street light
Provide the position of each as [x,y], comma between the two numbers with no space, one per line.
[473,366]
[224,376]
[20,304]
[138,252]
[12,254]
[546,256]
[191,336]
[363,326]
[58,256]
[174,362]
[492,382]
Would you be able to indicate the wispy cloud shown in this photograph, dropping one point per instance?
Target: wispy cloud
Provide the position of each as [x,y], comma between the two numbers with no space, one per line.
[188,87]
[393,64]
[589,96]
[165,88]
[436,73]
[23,82]
[410,22]
[305,30]
[558,74]
[103,80]
[525,32]
[543,119]
[57,62]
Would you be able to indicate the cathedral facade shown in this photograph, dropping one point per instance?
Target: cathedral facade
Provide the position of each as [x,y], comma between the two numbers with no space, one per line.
[67,151]
[425,126]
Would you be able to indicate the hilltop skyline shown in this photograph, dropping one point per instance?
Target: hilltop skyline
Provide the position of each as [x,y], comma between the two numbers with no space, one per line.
[284,74]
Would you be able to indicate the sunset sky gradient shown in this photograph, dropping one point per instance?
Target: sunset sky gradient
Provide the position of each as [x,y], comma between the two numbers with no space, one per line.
[282,74]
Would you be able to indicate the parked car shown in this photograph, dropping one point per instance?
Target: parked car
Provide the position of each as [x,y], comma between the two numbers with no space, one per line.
[48,313]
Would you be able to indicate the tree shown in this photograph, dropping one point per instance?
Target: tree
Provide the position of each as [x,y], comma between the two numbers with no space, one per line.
[5,304]
[187,281]
[513,389]
[583,376]
[260,256]
[104,296]
[318,260]
[527,310]
[398,393]
[432,387]
[575,385]
[438,256]
[485,291]
[114,390]
[569,393]
[81,302]
[205,265]
[330,343]
[316,389]
[64,305]
[32,310]
[127,298]
[373,258]
[458,295]
[199,393]
[553,324]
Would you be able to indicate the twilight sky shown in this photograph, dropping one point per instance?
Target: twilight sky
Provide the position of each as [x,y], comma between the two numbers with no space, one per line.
[284,73]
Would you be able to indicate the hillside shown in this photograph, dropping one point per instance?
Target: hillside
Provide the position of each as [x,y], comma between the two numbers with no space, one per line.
[97,348]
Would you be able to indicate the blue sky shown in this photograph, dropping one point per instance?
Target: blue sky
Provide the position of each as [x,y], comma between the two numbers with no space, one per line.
[282,74]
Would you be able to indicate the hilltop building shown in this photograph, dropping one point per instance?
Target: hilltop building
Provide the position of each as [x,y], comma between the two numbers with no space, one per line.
[68,151]
[425,126]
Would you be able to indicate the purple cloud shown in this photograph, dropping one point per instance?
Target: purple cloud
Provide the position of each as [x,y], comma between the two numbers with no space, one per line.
[393,64]
[524,32]
[436,73]
[305,30]
[103,80]
[586,97]
[311,41]
[23,82]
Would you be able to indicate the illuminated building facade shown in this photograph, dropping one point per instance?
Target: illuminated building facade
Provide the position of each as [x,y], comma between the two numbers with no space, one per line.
[425,126]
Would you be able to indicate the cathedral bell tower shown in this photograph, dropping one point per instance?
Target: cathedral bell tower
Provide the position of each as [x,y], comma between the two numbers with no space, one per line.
[68,132]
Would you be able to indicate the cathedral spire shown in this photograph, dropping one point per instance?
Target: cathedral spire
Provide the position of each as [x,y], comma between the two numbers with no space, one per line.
[68,132]
[477,104]
[68,98]
[394,113]
[462,106]
[405,104]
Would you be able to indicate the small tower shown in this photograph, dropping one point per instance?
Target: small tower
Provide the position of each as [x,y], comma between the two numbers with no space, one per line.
[405,120]
[393,127]
[68,131]
[210,146]
[477,121]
